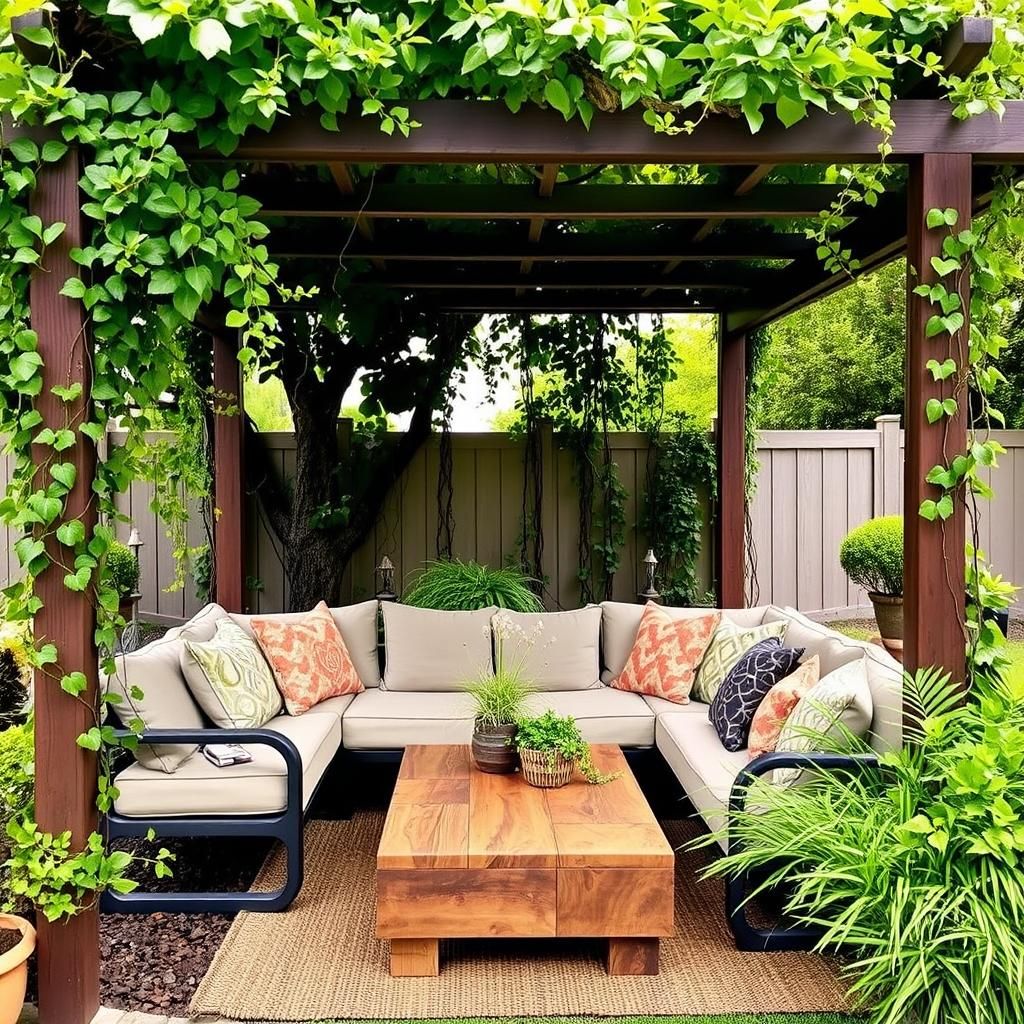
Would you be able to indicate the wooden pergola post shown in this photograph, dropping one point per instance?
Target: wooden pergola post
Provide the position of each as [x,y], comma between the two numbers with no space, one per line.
[229,465]
[933,589]
[68,954]
[730,437]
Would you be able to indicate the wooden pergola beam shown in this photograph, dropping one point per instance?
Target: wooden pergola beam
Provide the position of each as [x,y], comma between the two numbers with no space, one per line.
[415,242]
[521,202]
[730,444]
[965,46]
[550,301]
[545,189]
[469,132]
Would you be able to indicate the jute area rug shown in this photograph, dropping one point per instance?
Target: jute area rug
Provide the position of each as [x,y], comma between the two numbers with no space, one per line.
[320,961]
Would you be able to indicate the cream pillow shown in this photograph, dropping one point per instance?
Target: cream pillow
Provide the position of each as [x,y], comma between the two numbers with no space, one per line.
[555,650]
[838,703]
[727,646]
[230,679]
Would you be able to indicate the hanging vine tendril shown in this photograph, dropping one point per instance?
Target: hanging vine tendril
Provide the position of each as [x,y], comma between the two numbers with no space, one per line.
[531,551]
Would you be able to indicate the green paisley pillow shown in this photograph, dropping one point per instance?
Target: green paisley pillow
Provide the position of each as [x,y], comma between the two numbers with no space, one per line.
[230,679]
[727,646]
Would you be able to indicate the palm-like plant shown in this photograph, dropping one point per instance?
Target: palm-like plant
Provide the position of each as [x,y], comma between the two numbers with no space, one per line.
[915,872]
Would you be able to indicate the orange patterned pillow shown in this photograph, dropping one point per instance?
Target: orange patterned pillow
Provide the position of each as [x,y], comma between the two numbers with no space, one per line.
[778,705]
[309,659]
[666,654]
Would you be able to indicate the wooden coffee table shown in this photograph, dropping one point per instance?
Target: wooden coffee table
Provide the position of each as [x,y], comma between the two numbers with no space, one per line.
[470,855]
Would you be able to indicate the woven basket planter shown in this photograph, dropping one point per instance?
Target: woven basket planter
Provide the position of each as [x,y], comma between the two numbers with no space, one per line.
[545,769]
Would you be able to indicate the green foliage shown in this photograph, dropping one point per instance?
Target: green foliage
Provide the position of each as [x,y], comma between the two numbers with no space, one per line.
[555,735]
[987,592]
[465,586]
[15,669]
[499,698]
[872,555]
[122,569]
[680,482]
[914,873]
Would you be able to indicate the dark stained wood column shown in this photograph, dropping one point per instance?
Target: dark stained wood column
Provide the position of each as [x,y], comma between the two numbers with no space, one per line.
[933,601]
[229,466]
[731,446]
[68,954]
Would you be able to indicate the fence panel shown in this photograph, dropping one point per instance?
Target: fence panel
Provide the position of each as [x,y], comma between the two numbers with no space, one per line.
[813,486]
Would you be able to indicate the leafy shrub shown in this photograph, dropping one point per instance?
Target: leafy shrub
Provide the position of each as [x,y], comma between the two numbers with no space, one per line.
[914,873]
[872,555]
[466,586]
[15,672]
[556,735]
[17,791]
[122,569]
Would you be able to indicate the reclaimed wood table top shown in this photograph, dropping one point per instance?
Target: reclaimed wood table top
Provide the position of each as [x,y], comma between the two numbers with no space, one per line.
[445,813]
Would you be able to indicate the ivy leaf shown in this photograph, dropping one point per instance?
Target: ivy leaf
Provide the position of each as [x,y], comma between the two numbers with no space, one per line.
[943,370]
[935,219]
[928,510]
[73,288]
[789,110]
[555,94]
[944,267]
[64,473]
[944,506]
[79,580]
[475,56]
[24,365]
[210,37]
[74,683]
[71,533]
[933,410]
[24,150]
[148,25]
[163,282]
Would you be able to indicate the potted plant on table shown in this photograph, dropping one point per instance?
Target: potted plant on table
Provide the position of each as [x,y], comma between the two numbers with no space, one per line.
[550,747]
[499,698]
[872,556]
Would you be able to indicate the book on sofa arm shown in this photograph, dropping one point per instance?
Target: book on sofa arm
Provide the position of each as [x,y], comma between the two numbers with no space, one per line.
[225,754]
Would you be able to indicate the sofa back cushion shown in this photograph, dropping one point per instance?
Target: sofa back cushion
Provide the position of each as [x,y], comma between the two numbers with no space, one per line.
[620,621]
[884,673]
[357,624]
[152,689]
[434,651]
[556,650]
[230,679]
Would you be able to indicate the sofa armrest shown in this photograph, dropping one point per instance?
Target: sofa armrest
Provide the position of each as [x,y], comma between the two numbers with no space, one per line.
[260,737]
[769,762]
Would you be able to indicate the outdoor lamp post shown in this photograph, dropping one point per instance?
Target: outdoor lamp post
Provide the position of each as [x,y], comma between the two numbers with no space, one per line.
[386,574]
[650,592]
[131,637]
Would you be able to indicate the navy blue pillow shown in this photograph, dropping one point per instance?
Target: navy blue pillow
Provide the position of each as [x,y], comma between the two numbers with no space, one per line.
[746,685]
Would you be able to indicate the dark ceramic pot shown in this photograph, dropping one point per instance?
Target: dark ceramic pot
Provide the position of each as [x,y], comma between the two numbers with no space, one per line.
[493,749]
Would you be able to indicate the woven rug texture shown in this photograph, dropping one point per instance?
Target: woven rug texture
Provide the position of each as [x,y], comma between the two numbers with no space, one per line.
[319,960]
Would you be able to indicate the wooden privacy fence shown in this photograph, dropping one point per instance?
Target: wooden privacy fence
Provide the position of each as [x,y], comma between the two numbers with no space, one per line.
[813,486]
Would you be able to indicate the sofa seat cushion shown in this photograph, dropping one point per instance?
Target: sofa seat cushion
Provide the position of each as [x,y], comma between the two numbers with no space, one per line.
[383,719]
[620,621]
[604,715]
[660,706]
[199,788]
[152,688]
[554,650]
[357,624]
[704,768]
[428,651]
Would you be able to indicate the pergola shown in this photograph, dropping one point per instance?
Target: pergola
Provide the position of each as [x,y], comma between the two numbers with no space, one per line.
[671,248]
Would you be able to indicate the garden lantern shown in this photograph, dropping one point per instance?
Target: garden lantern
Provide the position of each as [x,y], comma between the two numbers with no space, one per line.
[131,637]
[386,576]
[650,592]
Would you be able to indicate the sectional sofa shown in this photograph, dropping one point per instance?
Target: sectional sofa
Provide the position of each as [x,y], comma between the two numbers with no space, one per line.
[414,694]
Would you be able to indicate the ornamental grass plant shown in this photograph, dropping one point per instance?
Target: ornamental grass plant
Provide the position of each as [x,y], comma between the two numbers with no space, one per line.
[915,873]
[454,585]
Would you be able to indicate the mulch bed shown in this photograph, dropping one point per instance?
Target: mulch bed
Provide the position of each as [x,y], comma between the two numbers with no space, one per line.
[153,962]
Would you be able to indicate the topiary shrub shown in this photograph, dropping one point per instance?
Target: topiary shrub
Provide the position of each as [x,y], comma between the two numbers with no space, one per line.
[122,569]
[872,555]
[466,586]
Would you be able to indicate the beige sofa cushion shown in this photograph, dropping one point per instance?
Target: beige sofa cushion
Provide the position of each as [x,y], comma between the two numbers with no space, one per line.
[603,715]
[704,768]
[432,651]
[885,674]
[383,719]
[357,624]
[165,701]
[259,787]
[561,650]
[620,621]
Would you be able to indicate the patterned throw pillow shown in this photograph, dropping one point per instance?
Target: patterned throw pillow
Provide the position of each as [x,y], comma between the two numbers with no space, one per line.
[746,685]
[230,679]
[309,659]
[666,654]
[727,646]
[838,705]
[773,711]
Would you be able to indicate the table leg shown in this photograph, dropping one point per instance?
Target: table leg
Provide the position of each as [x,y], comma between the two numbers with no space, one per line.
[414,958]
[633,956]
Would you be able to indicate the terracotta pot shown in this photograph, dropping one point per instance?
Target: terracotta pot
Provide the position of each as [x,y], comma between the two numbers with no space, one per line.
[14,968]
[889,616]
[493,748]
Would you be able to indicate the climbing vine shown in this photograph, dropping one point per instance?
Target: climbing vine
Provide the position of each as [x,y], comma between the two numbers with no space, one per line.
[129,86]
